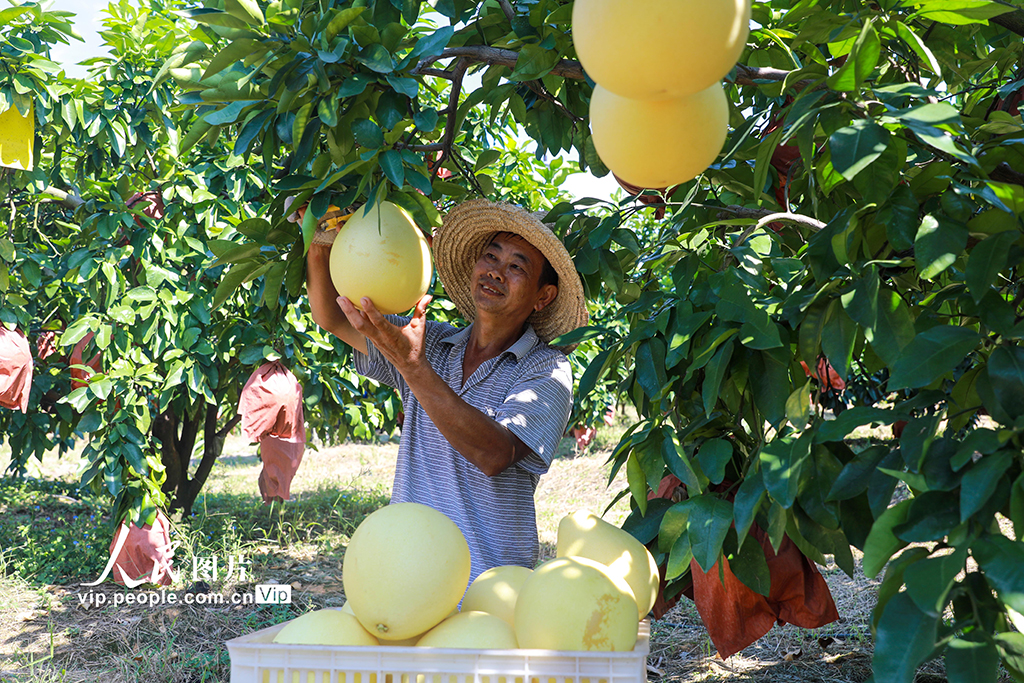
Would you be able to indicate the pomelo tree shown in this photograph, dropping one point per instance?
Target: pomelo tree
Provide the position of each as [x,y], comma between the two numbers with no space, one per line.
[852,254]
[112,265]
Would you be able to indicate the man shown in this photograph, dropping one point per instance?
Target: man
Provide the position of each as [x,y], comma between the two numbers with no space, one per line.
[486,405]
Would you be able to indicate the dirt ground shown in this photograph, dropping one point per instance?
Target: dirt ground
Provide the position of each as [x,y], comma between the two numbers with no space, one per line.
[59,633]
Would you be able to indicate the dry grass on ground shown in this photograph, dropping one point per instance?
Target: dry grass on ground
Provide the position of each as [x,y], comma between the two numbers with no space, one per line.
[47,635]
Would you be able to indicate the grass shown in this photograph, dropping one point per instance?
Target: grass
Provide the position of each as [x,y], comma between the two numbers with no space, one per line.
[47,634]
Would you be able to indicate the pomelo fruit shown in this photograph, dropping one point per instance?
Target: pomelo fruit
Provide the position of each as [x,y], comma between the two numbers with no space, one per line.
[659,49]
[381,254]
[325,627]
[405,569]
[495,591]
[572,603]
[659,143]
[583,534]
[471,630]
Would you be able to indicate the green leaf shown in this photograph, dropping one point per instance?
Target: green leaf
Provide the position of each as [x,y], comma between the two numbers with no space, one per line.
[650,366]
[637,481]
[1011,648]
[1004,393]
[758,331]
[246,10]
[987,259]
[859,63]
[882,542]
[751,568]
[679,557]
[391,162]
[928,581]
[959,12]
[980,482]
[1002,560]
[854,478]
[917,45]
[781,461]
[713,375]
[747,503]
[434,44]
[368,134]
[938,244]
[971,662]
[713,456]
[798,406]
[838,337]
[849,420]
[340,22]
[930,355]
[894,328]
[376,58]
[856,146]
[709,521]
[534,61]
[906,637]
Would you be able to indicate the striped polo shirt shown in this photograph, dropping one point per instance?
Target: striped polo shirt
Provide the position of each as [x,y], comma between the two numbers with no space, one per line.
[528,389]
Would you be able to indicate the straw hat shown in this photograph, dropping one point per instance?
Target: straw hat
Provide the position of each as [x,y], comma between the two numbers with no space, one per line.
[466,232]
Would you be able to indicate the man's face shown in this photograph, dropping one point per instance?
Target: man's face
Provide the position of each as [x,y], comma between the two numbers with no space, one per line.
[506,279]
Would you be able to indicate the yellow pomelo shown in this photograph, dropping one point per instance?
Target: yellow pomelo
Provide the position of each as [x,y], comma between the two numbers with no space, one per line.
[659,143]
[405,570]
[495,591]
[572,603]
[471,630]
[381,254]
[583,534]
[325,627]
[659,49]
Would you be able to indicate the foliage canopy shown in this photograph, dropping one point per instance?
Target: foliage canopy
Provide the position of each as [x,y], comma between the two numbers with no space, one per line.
[850,260]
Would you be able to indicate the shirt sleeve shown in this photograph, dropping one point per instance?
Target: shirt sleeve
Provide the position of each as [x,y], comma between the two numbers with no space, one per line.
[537,409]
[374,365]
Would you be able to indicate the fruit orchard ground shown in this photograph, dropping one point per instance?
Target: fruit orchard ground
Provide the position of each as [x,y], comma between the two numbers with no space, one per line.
[302,545]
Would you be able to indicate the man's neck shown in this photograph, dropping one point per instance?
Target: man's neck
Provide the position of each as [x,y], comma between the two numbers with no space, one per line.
[487,340]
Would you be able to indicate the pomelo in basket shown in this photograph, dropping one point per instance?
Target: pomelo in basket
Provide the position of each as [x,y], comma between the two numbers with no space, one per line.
[495,591]
[471,630]
[325,627]
[659,49]
[405,569]
[582,534]
[381,254]
[659,143]
[572,603]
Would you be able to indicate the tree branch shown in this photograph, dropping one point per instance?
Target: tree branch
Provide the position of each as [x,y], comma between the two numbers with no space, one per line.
[482,54]
[507,8]
[71,201]
[791,218]
[1011,21]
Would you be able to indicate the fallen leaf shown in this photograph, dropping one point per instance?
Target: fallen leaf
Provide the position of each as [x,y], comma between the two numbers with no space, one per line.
[792,653]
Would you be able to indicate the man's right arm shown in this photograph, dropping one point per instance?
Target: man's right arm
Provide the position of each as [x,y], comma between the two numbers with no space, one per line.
[323,298]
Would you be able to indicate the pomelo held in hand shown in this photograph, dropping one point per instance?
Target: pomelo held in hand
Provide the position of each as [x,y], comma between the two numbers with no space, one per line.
[405,570]
[659,143]
[325,627]
[659,49]
[381,254]
[583,534]
[572,603]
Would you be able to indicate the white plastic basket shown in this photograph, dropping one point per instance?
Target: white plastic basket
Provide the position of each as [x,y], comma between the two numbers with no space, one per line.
[255,658]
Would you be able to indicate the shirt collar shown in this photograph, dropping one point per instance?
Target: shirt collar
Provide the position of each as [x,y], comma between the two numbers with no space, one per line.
[520,349]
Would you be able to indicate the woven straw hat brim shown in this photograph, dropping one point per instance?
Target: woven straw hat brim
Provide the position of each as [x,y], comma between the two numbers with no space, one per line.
[466,232]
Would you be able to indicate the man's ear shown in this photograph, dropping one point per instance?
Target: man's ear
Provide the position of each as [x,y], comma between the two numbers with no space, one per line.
[545,296]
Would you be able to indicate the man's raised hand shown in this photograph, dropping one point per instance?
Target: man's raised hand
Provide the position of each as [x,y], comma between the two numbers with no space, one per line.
[402,346]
